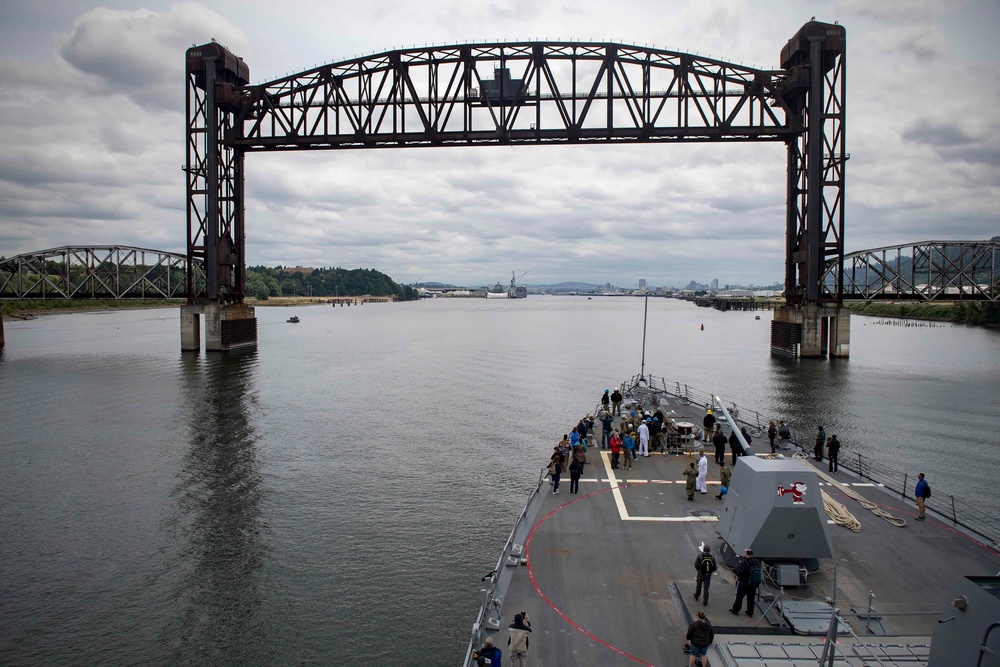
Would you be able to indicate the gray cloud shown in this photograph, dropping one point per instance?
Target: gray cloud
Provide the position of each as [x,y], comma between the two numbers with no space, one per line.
[93,142]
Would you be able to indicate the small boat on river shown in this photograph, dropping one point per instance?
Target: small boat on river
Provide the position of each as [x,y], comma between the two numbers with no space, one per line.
[294,319]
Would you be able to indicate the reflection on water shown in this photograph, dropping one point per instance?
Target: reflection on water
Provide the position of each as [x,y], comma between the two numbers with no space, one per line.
[217,516]
[336,496]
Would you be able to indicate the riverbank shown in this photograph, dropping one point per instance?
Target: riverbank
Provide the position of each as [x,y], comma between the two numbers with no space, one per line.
[959,312]
[29,308]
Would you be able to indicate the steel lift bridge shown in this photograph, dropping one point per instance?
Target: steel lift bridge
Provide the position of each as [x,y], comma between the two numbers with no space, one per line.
[525,93]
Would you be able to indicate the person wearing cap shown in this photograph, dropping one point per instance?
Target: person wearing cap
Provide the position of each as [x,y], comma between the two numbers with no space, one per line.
[709,423]
[745,587]
[691,473]
[701,482]
[606,400]
[628,445]
[616,403]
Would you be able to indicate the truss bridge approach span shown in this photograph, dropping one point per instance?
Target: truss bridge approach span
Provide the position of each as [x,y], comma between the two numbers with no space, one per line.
[525,93]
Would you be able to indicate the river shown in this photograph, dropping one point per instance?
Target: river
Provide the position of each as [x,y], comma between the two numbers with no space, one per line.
[335,496]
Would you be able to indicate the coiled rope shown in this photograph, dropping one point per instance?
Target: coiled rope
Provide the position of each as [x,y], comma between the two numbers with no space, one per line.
[837,511]
[851,493]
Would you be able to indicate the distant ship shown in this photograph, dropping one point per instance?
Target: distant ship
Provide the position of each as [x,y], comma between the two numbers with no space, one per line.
[514,291]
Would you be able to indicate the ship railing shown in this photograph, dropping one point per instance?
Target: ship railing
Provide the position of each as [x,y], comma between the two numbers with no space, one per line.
[942,503]
[490,598]
[754,420]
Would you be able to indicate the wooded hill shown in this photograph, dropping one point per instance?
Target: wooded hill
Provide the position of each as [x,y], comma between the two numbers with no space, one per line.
[263,282]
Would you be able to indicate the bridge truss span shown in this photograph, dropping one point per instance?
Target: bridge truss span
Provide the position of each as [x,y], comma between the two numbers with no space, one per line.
[515,93]
[97,272]
[925,271]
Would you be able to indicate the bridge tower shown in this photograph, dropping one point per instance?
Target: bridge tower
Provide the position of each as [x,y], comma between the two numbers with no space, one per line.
[814,323]
[215,205]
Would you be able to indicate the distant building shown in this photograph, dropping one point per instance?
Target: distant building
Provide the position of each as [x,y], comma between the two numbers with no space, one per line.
[642,283]
[304,270]
[715,283]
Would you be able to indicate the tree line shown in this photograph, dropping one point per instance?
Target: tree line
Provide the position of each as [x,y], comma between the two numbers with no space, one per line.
[263,282]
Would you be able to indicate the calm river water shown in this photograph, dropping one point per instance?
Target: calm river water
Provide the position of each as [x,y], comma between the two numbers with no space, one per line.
[336,496]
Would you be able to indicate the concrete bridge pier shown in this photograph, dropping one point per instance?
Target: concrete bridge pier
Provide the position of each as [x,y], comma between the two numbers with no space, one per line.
[811,331]
[1,329]
[227,327]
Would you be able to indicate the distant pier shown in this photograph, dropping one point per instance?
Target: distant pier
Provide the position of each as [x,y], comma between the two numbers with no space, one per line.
[726,303]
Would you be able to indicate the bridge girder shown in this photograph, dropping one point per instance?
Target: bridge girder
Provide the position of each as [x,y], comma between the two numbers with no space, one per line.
[542,93]
[924,271]
[97,272]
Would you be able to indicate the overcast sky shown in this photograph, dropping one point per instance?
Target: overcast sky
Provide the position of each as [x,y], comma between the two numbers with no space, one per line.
[92,116]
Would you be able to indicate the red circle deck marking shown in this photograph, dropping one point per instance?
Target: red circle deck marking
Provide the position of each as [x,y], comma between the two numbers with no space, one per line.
[534,583]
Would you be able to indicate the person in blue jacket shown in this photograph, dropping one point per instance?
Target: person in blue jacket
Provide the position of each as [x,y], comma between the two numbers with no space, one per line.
[921,494]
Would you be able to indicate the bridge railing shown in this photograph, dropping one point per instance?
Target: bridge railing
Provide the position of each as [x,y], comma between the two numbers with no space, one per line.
[945,504]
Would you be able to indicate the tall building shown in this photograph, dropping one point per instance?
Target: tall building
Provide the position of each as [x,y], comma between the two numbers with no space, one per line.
[715,283]
[642,283]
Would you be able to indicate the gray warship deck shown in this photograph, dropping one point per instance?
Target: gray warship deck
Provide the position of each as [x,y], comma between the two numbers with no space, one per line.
[609,574]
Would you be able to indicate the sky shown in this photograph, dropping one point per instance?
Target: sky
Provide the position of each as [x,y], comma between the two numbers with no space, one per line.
[92,126]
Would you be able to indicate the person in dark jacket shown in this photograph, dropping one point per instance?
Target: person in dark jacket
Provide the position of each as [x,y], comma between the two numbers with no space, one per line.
[606,420]
[772,433]
[575,470]
[745,586]
[709,423]
[700,635]
[490,652]
[833,452]
[555,470]
[616,402]
[735,447]
[719,440]
[606,400]
[518,639]
[704,566]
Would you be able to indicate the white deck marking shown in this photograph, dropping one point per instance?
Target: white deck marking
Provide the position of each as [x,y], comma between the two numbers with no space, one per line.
[620,502]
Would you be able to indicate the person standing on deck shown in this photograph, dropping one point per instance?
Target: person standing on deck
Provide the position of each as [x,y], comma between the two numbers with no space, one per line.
[709,423]
[582,428]
[555,470]
[700,636]
[833,452]
[628,444]
[746,437]
[692,476]
[734,447]
[784,432]
[748,574]
[616,403]
[719,440]
[772,433]
[704,566]
[660,425]
[643,439]
[820,441]
[725,476]
[616,449]
[702,473]
[518,640]
[575,470]
[606,401]
[921,493]
[606,421]
[574,437]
